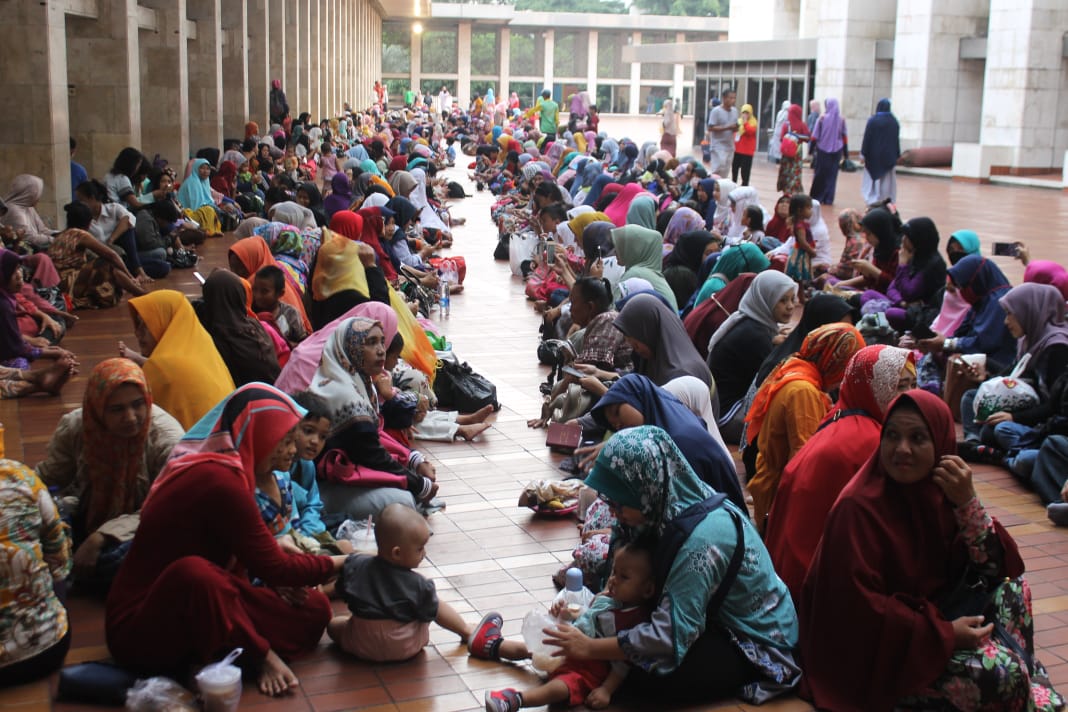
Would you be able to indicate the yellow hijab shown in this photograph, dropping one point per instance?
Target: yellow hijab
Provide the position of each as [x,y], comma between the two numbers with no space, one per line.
[752,116]
[338,268]
[185,372]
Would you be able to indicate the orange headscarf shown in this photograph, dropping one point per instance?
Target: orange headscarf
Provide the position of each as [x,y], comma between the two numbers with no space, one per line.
[253,253]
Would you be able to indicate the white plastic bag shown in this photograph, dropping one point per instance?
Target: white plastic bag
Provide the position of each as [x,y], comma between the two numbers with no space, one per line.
[520,249]
[613,271]
[360,534]
[541,654]
[160,694]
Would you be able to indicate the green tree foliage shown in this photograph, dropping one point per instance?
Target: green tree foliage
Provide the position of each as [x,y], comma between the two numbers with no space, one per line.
[690,8]
[612,7]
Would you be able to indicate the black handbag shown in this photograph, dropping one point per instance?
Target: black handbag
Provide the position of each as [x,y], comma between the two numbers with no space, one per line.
[501,251]
[458,387]
[95,683]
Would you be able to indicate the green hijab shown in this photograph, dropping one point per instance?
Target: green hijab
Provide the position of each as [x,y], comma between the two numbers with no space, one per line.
[369,166]
[745,257]
[642,212]
[640,251]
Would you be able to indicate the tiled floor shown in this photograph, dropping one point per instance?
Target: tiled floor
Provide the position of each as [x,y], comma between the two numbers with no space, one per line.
[489,554]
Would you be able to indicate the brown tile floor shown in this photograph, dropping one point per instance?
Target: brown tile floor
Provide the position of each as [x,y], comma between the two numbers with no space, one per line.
[487,553]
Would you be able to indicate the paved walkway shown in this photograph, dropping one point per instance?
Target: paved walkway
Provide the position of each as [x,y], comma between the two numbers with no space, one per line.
[486,553]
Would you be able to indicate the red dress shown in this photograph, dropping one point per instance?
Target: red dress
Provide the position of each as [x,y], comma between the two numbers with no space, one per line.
[180,596]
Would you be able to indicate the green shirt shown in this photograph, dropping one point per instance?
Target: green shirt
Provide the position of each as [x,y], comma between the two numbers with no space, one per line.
[550,113]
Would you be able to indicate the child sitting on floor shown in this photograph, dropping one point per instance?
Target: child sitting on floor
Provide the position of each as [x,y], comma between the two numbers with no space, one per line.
[392,605]
[310,435]
[268,286]
[625,602]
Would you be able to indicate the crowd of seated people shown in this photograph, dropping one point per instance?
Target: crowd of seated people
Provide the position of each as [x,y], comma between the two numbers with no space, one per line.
[200,486]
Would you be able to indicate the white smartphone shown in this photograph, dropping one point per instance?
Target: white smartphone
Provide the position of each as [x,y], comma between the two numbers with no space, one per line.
[199,277]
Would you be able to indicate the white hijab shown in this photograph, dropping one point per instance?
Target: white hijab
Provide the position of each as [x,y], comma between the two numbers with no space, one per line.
[743,197]
[428,217]
[694,394]
[758,303]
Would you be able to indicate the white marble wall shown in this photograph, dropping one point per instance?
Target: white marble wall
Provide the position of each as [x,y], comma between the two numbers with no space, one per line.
[926,79]
[754,20]
[1025,81]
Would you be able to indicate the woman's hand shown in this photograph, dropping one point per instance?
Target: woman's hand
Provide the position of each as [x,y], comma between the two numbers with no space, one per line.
[366,254]
[384,384]
[999,417]
[954,476]
[289,546]
[87,554]
[1022,253]
[48,322]
[597,269]
[571,641]
[934,344]
[593,385]
[866,268]
[587,455]
[126,352]
[969,632]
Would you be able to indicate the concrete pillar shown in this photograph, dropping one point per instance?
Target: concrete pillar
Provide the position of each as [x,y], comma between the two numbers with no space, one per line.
[102,57]
[290,80]
[927,70]
[235,84]
[754,20]
[276,47]
[845,58]
[416,72]
[549,44]
[636,103]
[591,65]
[259,63]
[1024,78]
[205,74]
[504,50]
[164,70]
[35,99]
[324,57]
[678,77]
[463,63]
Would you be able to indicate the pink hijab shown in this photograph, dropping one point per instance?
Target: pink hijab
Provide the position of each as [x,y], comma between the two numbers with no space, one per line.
[304,360]
[1046,272]
[617,209]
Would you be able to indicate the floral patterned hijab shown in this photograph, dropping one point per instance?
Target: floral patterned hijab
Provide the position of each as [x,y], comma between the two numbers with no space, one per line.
[340,380]
[112,463]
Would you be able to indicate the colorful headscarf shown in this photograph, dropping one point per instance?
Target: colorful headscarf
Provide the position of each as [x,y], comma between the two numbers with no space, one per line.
[341,382]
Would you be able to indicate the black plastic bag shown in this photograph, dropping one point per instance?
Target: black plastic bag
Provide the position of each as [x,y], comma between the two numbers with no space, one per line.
[458,387]
[501,251]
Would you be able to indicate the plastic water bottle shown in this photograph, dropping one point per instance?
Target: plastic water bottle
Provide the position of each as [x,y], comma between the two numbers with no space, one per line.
[446,297]
[574,599]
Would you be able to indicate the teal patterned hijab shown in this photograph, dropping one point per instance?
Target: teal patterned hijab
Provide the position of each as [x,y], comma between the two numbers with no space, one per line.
[644,469]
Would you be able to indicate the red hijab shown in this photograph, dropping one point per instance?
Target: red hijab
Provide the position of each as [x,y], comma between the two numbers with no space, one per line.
[225,179]
[710,314]
[870,633]
[373,225]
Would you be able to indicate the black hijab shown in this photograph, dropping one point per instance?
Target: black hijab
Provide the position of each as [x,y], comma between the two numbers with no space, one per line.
[887,229]
[689,250]
[926,260]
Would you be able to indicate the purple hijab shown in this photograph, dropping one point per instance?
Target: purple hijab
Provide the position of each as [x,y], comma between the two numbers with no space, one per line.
[830,129]
[1039,309]
[340,197]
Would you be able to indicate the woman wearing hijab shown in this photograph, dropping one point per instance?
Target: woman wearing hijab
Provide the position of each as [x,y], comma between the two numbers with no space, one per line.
[1034,316]
[634,400]
[732,262]
[683,220]
[346,272]
[789,180]
[960,244]
[640,251]
[704,319]
[905,534]
[240,339]
[791,404]
[194,195]
[829,139]
[341,197]
[687,653]
[982,284]
[745,339]
[248,255]
[22,216]
[617,209]
[183,592]
[781,119]
[225,179]
[883,231]
[287,247]
[707,191]
[669,127]
[279,105]
[103,457]
[351,361]
[745,143]
[168,332]
[662,350]
[691,248]
[815,476]
[309,196]
[880,149]
[642,211]
[914,296]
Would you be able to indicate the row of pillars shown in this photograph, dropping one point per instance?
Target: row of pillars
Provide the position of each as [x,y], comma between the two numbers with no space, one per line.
[168,76]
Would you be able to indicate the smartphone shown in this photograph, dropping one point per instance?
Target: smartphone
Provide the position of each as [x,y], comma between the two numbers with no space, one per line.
[550,252]
[922,331]
[199,277]
[1006,249]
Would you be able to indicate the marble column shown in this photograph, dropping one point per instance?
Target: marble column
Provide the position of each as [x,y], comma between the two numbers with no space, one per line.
[548,48]
[504,50]
[259,63]
[1023,92]
[102,69]
[205,75]
[235,62]
[845,58]
[636,104]
[276,48]
[463,63]
[591,65]
[164,82]
[932,87]
[290,79]
[416,71]
[38,124]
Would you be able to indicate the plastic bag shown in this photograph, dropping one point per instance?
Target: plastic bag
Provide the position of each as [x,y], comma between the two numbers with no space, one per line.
[458,387]
[521,249]
[360,534]
[160,694]
[541,654]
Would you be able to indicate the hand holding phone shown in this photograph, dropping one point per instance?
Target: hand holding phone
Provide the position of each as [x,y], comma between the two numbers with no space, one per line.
[1006,249]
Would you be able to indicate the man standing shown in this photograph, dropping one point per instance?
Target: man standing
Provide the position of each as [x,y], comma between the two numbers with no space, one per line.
[722,125]
[549,117]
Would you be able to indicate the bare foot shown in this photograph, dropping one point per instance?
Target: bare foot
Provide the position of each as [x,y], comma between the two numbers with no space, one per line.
[470,432]
[126,352]
[275,677]
[456,288]
[479,416]
[52,379]
[431,494]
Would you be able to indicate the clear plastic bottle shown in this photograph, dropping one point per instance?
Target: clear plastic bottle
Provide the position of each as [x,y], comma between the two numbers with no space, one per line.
[446,297]
[574,599]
